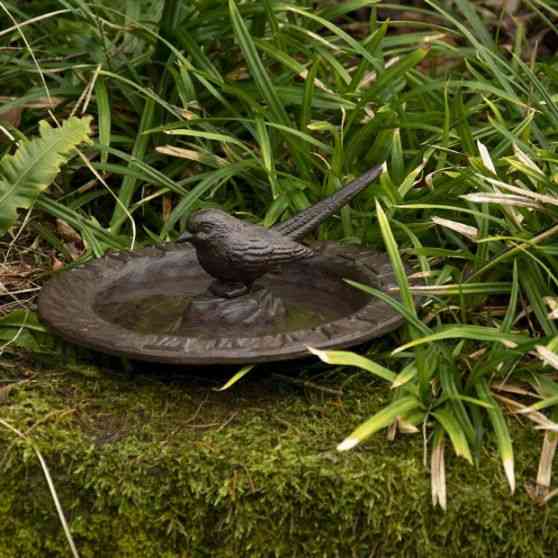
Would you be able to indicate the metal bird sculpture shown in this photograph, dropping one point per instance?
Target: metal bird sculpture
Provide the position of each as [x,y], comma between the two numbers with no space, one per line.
[236,253]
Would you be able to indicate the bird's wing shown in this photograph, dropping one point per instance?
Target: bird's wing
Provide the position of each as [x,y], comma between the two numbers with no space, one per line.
[260,245]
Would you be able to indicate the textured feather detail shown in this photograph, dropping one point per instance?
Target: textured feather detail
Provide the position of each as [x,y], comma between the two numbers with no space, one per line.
[236,252]
[262,248]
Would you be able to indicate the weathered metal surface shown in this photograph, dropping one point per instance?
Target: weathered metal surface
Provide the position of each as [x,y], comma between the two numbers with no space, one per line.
[153,305]
[236,253]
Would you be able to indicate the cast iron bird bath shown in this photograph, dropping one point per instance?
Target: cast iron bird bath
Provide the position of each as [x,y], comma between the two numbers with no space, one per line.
[161,304]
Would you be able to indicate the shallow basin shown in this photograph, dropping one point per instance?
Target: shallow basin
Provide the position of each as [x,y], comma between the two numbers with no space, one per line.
[152,304]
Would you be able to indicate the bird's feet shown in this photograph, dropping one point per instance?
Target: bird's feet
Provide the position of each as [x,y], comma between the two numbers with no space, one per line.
[228,290]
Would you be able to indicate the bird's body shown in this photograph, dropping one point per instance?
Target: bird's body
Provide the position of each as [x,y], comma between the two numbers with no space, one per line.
[236,253]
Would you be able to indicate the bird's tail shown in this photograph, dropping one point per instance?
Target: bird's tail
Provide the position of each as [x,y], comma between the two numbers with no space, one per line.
[300,225]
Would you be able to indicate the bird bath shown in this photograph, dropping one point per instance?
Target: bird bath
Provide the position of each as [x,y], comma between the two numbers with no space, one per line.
[153,304]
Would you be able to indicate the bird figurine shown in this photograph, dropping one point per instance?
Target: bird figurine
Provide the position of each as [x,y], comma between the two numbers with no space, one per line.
[237,253]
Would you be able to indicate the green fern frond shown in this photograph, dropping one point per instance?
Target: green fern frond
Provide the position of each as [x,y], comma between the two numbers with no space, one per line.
[35,164]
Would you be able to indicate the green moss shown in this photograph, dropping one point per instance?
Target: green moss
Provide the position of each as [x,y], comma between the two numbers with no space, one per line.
[160,465]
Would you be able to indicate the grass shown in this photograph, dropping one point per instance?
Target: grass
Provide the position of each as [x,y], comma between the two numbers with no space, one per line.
[263,108]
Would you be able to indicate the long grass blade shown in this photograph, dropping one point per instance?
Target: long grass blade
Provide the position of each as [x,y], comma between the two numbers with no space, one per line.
[347,358]
[503,437]
[382,419]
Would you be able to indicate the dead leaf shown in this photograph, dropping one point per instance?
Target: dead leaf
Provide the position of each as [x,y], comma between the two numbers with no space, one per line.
[465,230]
[11,117]
[57,265]
[544,475]
[167,207]
[76,249]
[40,103]
[67,232]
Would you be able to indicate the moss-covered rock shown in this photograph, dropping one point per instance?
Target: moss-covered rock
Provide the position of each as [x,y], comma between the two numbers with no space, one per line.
[160,465]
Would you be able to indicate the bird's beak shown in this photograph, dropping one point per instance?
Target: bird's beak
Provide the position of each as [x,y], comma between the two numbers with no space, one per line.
[185,237]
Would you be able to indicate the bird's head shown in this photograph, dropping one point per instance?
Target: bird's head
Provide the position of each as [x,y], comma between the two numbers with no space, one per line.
[204,225]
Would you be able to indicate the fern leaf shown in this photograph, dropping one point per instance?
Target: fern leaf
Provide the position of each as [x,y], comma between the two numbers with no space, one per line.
[35,164]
